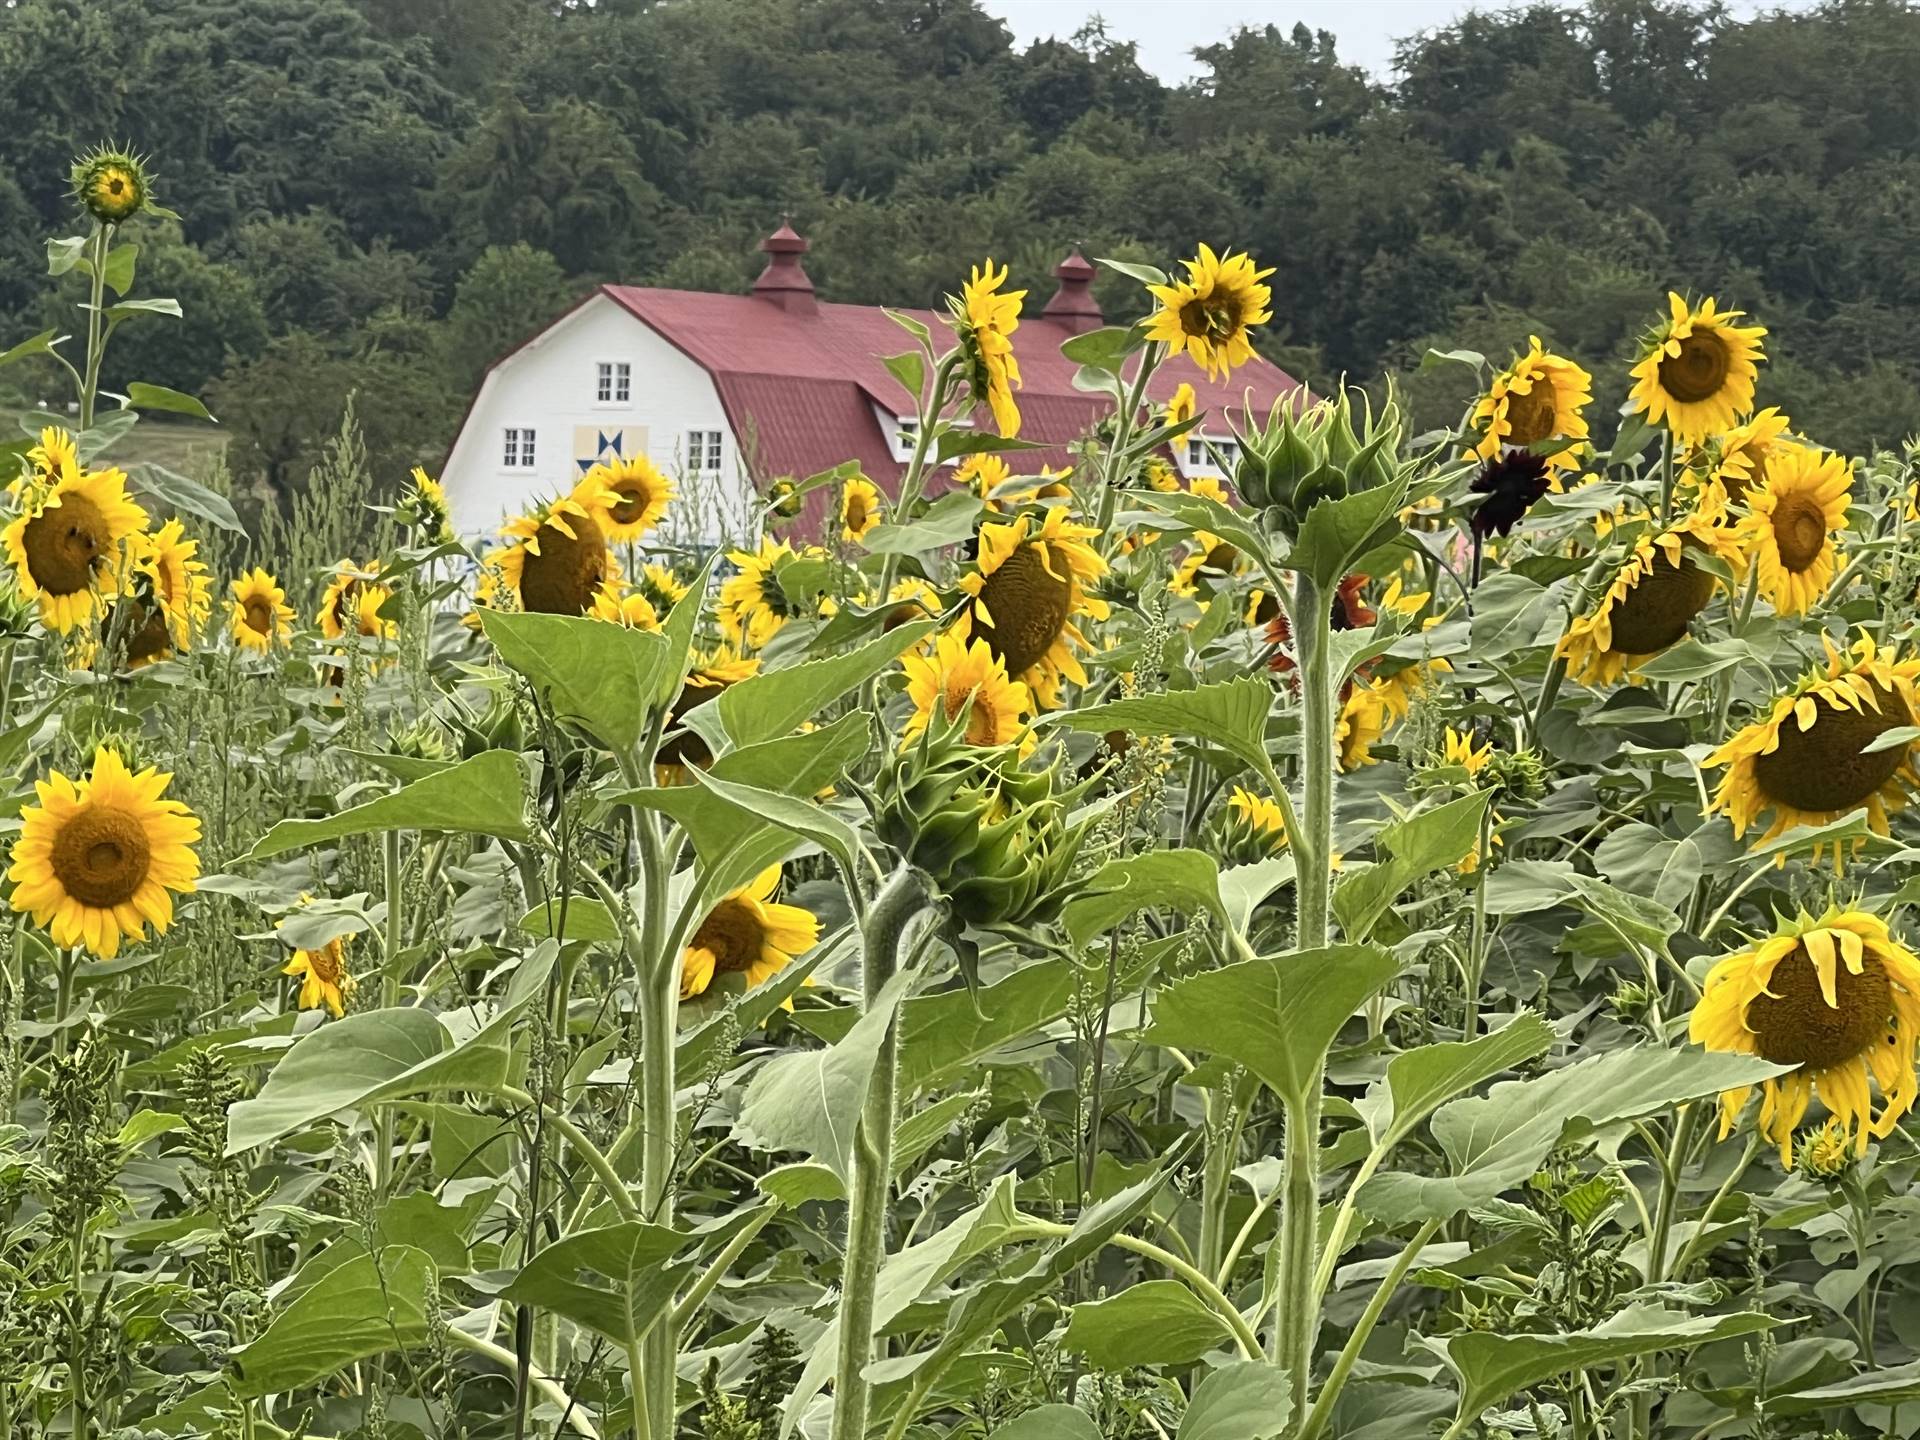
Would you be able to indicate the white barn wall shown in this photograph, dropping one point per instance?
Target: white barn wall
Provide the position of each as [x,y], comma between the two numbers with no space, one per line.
[550,385]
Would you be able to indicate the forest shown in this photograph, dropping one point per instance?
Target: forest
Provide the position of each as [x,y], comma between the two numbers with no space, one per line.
[381,195]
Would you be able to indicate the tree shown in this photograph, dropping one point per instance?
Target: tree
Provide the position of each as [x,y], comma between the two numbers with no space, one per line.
[507,294]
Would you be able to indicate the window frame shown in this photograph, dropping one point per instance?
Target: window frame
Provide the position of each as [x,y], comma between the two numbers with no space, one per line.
[519,447]
[703,443]
[612,384]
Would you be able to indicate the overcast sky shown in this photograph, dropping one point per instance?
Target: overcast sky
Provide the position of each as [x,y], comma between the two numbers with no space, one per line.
[1166,30]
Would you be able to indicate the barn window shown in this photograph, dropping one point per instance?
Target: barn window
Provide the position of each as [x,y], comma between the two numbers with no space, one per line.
[517,452]
[705,450]
[613,382]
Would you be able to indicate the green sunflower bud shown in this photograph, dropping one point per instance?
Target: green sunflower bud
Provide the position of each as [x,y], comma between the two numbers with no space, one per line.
[1330,450]
[991,835]
[422,740]
[498,728]
[784,498]
[112,183]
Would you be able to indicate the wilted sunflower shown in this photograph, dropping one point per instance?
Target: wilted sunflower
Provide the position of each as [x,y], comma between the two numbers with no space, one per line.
[1793,517]
[1697,369]
[163,566]
[1512,482]
[1211,313]
[558,558]
[1836,997]
[1807,762]
[984,321]
[746,935]
[959,674]
[261,614]
[425,503]
[1027,588]
[633,609]
[860,508]
[634,496]
[95,859]
[1650,601]
[61,543]
[1742,456]
[1539,397]
[754,603]
[708,676]
[112,183]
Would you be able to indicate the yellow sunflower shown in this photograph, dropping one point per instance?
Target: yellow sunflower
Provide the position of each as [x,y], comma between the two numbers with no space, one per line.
[1745,452]
[557,557]
[261,614]
[60,544]
[425,503]
[1539,397]
[860,508]
[1793,516]
[1807,761]
[1650,601]
[324,977]
[1838,998]
[1211,313]
[753,604]
[746,935]
[1253,828]
[984,321]
[1362,721]
[95,858]
[633,609]
[1461,751]
[1182,406]
[1697,370]
[49,462]
[163,565]
[634,496]
[337,603]
[661,586]
[709,674]
[960,673]
[1027,587]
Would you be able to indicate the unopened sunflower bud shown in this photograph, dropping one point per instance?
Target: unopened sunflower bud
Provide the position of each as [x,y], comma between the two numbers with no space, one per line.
[1825,1155]
[112,183]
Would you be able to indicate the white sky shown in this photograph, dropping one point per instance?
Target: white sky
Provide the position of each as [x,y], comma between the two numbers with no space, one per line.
[1167,31]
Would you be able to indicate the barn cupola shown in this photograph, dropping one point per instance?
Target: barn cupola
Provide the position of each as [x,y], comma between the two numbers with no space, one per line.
[784,282]
[1073,306]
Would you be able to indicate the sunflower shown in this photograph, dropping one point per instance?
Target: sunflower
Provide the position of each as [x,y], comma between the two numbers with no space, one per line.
[557,558]
[112,184]
[1538,397]
[338,610]
[634,496]
[1697,369]
[1838,998]
[1650,601]
[1027,588]
[95,859]
[1362,721]
[754,604]
[1252,829]
[1461,751]
[425,503]
[965,675]
[661,586]
[59,545]
[860,508]
[1745,452]
[163,566]
[633,609]
[984,320]
[261,614]
[708,675]
[1808,763]
[1211,313]
[48,463]
[745,935]
[1182,406]
[1511,482]
[1792,518]
[324,977]
[1212,558]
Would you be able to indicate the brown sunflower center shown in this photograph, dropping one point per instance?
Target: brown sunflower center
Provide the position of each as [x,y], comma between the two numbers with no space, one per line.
[1799,530]
[1221,557]
[983,721]
[632,504]
[329,963]
[683,746]
[65,544]
[1699,370]
[1795,1026]
[563,577]
[149,638]
[257,611]
[1029,605]
[101,856]
[1211,317]
[1530,417]
[1828,767]
[856,512]
[1657,610]
[732,932]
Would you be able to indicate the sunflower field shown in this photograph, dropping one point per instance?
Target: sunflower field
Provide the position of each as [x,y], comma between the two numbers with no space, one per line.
[1413,940]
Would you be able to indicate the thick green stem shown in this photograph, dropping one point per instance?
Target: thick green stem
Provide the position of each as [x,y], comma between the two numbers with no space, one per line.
[96,310]
[1477,935]
[1216,1184]
[1363,1328]
[882,926]
[1314,886]
[575,1412]
[394,936]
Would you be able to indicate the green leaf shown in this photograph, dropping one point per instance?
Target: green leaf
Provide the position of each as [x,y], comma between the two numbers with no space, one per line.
[810,1100]
[1151,1322]
[117,273]
[64,252]
[948,521]
[1492,1367]
[1145,274]
[41,344]
[1495,1142]
[616,1281]
[1104,349]
[1246,1400]
[186,497]
[1277,1014]
[1338,532]
[158,397]
[154,305]
[585,919]
[1434,359]
[793,814]
[1049,1422]
[775,702]
[910,369]
[796,1184]
[481,796]
[1889,1386]
[1231,714]
[1695,659]
[356,1062]
[607,678]
[1421,1080]
[1200,513]
[962,440]
[1184,880]
[366,1307]
[1410,850]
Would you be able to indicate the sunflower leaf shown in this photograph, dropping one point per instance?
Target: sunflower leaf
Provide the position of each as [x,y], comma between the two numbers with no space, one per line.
[1184,880]
[773,702]
[141,396]
[1231,714]
[481,796]
[607,678]
[1151,1322]
[369,1305]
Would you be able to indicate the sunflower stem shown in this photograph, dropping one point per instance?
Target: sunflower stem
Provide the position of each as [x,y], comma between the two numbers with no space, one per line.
[882,927]
[932,401]
[97,263]
[1349,1355]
